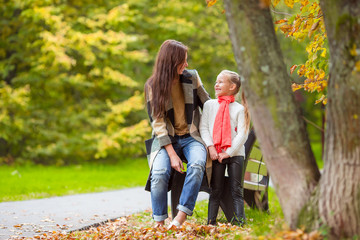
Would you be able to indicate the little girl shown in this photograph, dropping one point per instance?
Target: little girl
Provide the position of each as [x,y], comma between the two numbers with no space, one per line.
[224,128]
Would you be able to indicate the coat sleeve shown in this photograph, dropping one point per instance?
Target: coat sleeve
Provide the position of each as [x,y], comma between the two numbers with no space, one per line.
[205,126]
[241,136]
[161,132]
[158,124]
[201,92]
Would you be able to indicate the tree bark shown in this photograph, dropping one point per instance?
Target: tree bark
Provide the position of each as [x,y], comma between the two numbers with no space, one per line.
[339,203]
[277,118]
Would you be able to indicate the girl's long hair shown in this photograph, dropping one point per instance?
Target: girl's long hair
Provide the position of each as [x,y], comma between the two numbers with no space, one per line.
[170,56]
[235,78]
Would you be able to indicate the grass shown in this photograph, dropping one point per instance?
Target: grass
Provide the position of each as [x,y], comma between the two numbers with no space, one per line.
[32,182]
[317,150]
[258,223]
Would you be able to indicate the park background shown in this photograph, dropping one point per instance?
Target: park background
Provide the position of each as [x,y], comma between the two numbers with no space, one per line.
[72,113]
[72,74]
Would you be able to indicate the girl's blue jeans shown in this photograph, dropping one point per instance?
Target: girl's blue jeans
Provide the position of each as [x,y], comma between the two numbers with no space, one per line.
[195,154]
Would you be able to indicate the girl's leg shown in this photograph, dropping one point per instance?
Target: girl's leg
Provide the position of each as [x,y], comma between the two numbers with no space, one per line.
[236,173]
[217,184]
[160,175]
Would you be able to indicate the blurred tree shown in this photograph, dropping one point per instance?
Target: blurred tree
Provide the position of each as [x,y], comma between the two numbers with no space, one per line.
[64,61]
[306,199]
[72,72]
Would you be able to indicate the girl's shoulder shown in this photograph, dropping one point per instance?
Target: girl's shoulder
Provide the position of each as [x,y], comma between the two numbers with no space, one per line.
[238,106]
[211,102]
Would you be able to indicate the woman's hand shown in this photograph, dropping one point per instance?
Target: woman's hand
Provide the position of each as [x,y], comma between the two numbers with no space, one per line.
[213,153]
[175,161]
[222,156]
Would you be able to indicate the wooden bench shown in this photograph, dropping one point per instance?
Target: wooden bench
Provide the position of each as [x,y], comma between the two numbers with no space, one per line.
[255,183]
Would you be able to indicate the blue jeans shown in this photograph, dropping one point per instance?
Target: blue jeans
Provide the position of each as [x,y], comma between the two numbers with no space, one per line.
[195,154]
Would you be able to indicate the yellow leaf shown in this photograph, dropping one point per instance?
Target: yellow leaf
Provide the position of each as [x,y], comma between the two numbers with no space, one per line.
[302,70]
[265,3]
[323,54]
[321,74]
[304,2]
[296,87]
[357,66]
[353,50]
[320,99]
[210,2]
[285,28]
[275,2]
[281,21]
[292,69]
[355,116]
[314,26]
[289,3]
[325,101]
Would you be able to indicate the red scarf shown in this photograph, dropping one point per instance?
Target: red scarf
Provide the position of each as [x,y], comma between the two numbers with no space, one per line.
[222,127]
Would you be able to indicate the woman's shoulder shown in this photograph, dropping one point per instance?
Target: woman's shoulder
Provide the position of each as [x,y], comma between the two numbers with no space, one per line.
[190,73]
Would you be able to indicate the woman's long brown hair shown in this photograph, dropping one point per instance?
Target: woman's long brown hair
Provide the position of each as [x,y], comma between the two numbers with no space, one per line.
[235,78]
[171,54]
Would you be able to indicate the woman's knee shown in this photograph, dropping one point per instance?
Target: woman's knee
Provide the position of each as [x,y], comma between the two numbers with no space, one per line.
[195,153]
[160,177]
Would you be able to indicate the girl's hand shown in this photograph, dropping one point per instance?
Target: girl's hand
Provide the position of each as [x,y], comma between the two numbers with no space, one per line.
[213,153]
[222,156]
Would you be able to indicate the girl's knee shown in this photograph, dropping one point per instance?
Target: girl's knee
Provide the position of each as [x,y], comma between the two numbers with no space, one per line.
[215,193]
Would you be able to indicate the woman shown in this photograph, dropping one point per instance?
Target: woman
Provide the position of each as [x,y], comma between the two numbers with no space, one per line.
[174,96]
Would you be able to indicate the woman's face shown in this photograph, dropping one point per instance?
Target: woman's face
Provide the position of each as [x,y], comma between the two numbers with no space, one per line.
[182,67]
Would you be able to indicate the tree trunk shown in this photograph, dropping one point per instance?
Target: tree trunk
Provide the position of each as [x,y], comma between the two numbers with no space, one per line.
[339,203]
[277,118]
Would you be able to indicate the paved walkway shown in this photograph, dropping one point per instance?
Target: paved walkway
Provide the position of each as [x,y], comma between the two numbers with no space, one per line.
[34,217]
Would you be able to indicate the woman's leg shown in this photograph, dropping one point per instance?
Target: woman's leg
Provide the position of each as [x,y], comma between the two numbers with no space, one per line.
[195,153]
[160,175]
[217,184]
[236,174]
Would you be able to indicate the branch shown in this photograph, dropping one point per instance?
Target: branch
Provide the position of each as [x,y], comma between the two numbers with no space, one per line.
[312,123]
[283,13]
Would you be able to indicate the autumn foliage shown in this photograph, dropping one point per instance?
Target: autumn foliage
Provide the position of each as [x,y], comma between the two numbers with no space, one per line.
[308,24]
[131,228]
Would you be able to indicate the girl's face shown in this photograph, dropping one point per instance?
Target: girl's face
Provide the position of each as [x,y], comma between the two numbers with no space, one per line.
[182,67]
[223,87]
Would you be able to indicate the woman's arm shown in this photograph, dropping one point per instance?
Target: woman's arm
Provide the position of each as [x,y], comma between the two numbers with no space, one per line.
[201,92]
[158,124]
[159,128]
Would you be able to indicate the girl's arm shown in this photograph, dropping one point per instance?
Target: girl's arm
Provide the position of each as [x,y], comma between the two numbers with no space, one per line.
[205,126]
[241,136]
[205,131]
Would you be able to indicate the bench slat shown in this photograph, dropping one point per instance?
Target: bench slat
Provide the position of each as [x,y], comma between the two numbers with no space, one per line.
[253,167]
[254,186]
